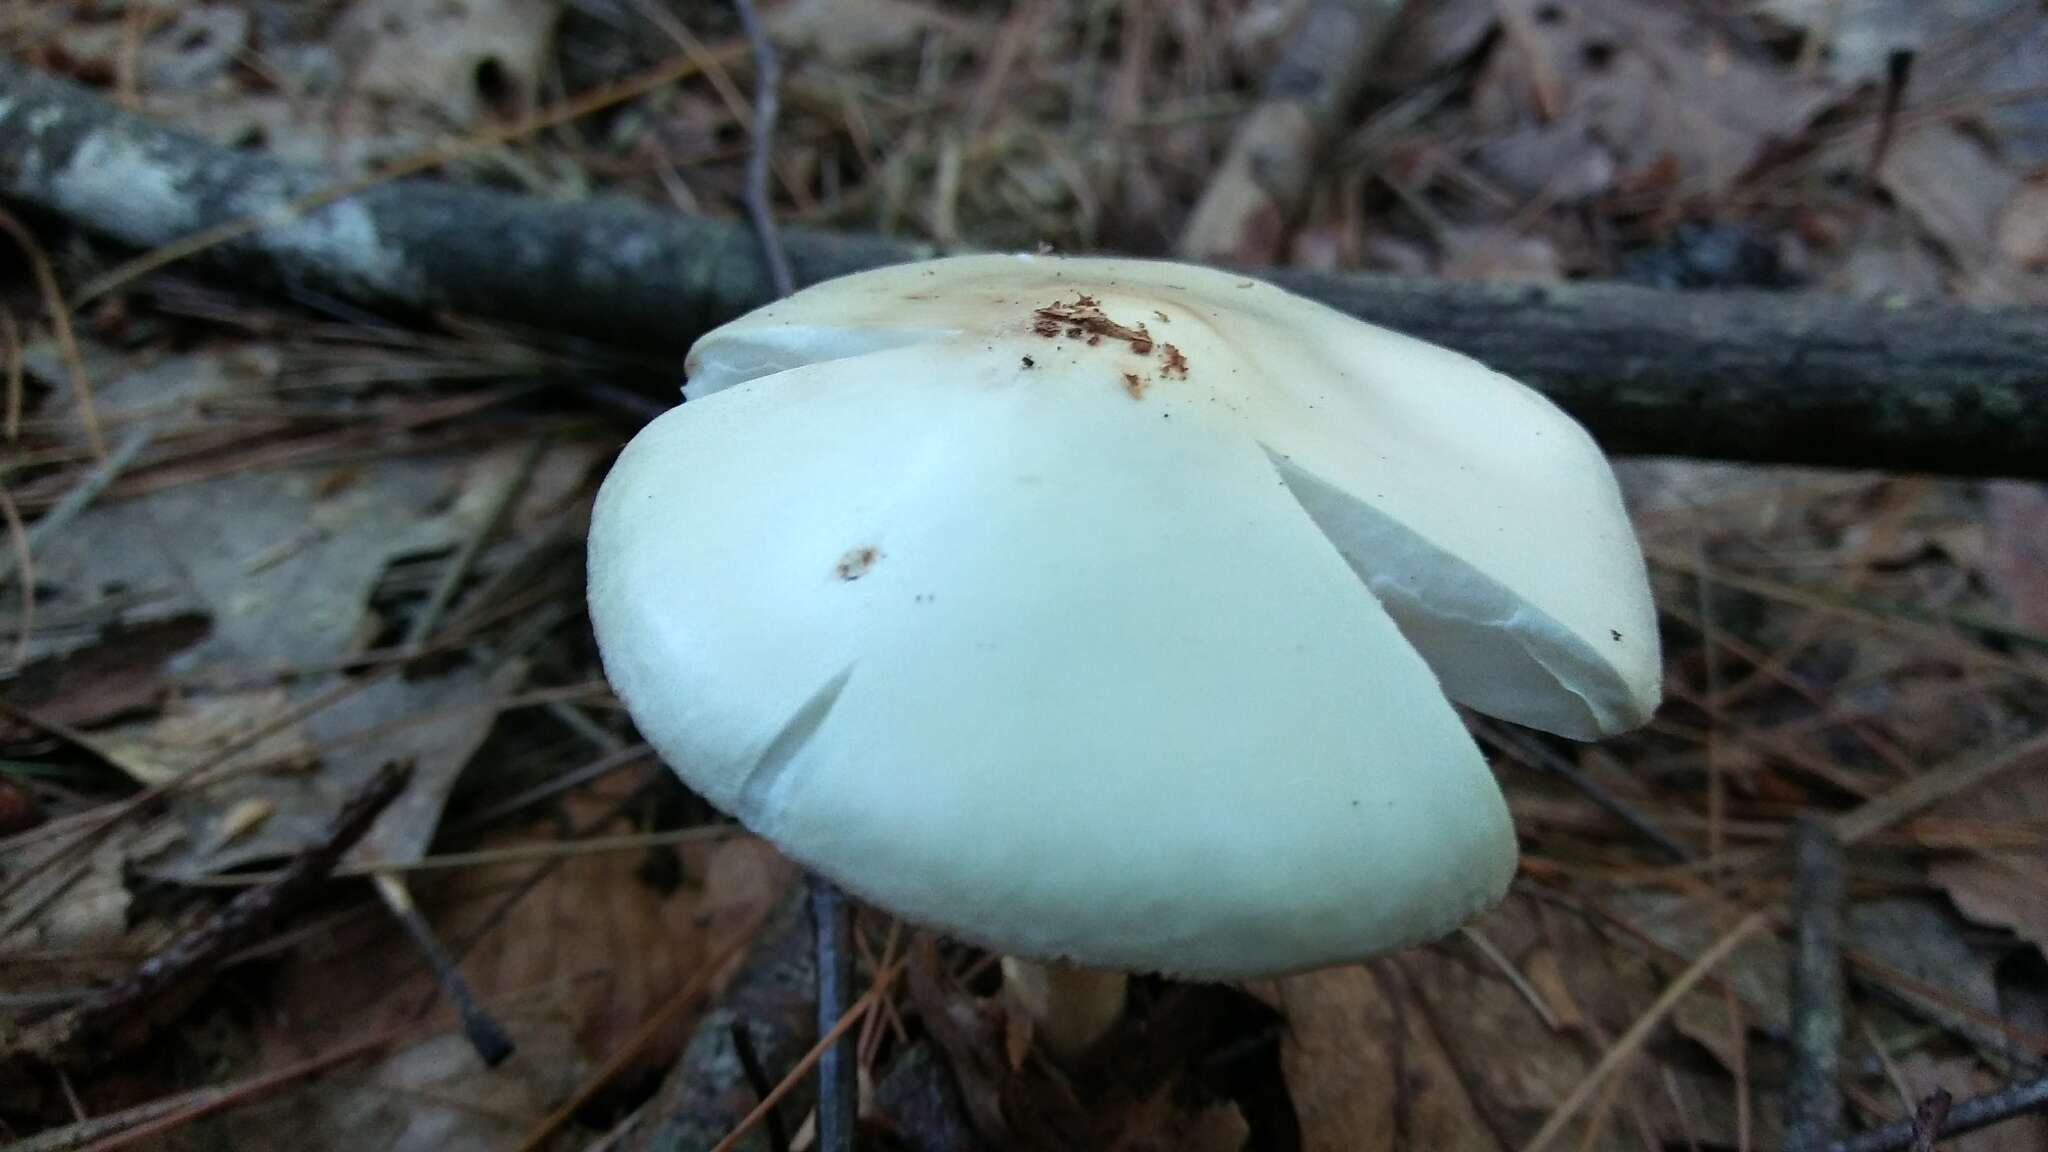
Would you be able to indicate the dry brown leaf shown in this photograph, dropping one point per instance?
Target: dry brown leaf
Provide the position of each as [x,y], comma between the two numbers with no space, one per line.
[462,58]
[68,905]
[1542,971]
[1437,1048]
[436,723]
[2023,226]
[593,940]
[613,945]
[2018,561]
[429,1096]
[1756,970]
[1494,253]
[2004,889]
[1966,49]
[1955,188]
[1645,81]
[194,47]
[191,730]
[1894,264]
[1558,162]
[1018,1028]
[1366,1070]
[1929,943]
[212,546]
[1431,37]
[101,682]
[1160,1125]
[1858,35]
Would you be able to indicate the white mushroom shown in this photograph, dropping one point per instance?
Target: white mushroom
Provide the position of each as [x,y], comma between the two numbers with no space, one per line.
[1111,612]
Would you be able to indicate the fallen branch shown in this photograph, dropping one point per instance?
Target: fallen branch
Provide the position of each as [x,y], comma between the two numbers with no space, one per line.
[1793,378]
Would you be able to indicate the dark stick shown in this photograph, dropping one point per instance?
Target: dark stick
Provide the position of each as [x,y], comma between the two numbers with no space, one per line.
[2019,1099]
[492,1043]
[767,103]
[1523,746]
[838,1093]
[1813,1099]
[757,1079]
[483,1031]
[159,989]
[1897,71]
[1784,377]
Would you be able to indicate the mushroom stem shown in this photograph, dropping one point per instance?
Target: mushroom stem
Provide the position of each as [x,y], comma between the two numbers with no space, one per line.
[1070,1007]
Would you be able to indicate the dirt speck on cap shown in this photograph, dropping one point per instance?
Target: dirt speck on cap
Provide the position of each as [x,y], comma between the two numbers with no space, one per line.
[1084,317]
[856,563]
[1175,365]
[1135,385]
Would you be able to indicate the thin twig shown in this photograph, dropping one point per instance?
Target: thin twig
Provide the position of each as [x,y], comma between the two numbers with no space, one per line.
[60,322]
[604,765]
[163,985]
[757,1079]
[98,824]
[152,1121]
[82,494]
[492,1043]
[767,103]
[1513,976]
[1897,72]
[1532,751]
[24,561]
[1935,785]
[859,1009]
[10,346]
[1632,1040]
[509,854]
[493,518]
[1813,1099]
[1977,1112]
[838,1092]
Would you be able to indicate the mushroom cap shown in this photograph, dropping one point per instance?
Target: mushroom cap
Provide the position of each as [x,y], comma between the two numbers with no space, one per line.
[1111,611]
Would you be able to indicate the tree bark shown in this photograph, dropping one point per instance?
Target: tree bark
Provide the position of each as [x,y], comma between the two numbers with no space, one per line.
[1788,378]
